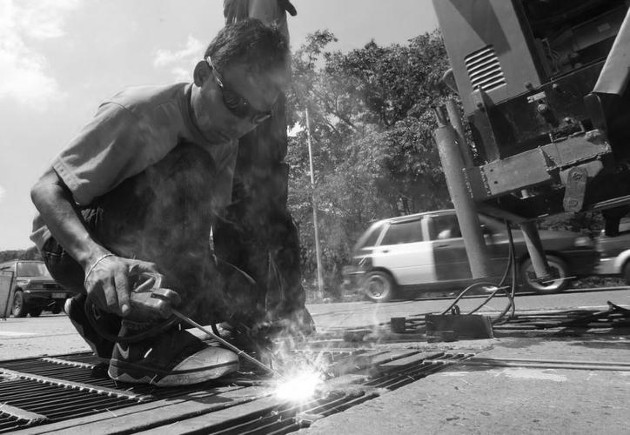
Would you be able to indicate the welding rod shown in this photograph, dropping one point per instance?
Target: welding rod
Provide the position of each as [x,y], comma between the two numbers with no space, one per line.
[230,346]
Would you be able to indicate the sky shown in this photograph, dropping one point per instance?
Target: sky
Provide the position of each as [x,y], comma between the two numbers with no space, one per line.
[60,58]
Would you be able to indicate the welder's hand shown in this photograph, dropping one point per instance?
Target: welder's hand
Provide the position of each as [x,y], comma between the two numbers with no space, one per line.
[107,281]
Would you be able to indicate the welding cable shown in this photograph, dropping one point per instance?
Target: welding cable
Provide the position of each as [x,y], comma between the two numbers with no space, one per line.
[513,267]
[509,270]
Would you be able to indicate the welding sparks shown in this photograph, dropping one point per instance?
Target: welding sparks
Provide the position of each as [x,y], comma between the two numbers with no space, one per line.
[300,386]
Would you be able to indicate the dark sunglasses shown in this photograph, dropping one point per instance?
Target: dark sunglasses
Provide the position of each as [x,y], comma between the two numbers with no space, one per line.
[236,103]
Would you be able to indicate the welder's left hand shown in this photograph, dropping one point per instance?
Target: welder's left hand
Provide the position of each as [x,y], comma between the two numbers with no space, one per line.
[109,279]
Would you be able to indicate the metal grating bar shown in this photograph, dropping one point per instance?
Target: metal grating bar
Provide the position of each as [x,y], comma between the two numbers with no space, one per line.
[64,362]
[15,414]
[75,385]
[10,423]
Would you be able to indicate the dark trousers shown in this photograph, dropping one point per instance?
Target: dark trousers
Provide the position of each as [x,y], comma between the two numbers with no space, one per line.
[258,234]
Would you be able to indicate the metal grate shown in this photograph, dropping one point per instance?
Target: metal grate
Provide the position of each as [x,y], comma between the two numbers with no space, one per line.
[49,400]
[290,418]
[50,391]
[10,422]
[484,69]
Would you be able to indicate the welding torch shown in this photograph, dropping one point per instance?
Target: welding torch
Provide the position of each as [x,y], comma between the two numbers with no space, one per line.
[161,301]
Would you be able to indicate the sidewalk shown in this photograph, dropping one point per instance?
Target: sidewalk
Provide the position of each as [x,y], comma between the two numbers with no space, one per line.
[539,396]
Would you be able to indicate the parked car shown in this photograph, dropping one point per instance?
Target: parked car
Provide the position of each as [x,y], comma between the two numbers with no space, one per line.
[426,251]
[34,290]
[615,252]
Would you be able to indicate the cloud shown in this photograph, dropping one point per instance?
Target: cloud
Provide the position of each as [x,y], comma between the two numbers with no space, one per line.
[24,72]
[182,61]
[2,193]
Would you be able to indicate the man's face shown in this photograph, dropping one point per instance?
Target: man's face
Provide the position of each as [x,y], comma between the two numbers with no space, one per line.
[234,101]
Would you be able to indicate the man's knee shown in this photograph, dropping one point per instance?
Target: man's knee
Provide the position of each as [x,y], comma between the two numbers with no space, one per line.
[62,267]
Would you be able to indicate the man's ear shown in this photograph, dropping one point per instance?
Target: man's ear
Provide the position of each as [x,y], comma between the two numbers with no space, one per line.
[201,73]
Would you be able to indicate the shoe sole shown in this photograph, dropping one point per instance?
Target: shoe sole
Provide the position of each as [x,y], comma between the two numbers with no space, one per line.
[188,372]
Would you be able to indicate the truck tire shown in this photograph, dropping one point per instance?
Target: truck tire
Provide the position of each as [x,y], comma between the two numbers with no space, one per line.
[378,286]
[19,308]
[555,286]
[626,273]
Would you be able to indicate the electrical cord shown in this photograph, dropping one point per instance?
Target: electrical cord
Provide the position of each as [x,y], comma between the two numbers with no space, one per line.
[510,269]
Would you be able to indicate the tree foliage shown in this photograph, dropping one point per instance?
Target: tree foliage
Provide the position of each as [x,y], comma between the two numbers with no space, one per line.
[371,123]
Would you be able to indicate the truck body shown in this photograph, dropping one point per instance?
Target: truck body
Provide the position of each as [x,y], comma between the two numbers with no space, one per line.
[543,84]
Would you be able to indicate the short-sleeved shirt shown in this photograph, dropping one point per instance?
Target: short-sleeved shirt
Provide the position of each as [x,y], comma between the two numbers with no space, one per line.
[129,133]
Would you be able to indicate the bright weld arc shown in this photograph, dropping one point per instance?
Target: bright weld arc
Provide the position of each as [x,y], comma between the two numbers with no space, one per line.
[299,386]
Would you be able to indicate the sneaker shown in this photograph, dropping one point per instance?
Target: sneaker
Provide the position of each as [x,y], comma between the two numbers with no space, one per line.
[172,358]
[108,324]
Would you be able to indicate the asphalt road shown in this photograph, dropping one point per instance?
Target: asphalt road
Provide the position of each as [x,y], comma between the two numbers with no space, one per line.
[353,314]
[54,334]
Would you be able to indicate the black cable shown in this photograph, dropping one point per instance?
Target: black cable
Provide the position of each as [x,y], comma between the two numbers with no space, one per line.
[512,262]
[510,267]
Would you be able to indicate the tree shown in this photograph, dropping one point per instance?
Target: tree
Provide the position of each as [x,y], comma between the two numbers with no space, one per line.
[371,124]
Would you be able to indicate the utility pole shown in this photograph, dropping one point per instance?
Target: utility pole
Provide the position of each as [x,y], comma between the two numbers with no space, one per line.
[318,254]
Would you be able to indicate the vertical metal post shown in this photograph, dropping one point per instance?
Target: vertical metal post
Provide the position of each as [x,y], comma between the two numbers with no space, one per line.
[318,254]
[453,164]
[535,249]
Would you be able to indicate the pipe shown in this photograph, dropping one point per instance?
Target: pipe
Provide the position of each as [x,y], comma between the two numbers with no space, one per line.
[535,249]
[453,165]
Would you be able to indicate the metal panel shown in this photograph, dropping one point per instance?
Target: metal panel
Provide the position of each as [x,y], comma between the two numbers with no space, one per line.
[472,26]
[526,169]
[537,166]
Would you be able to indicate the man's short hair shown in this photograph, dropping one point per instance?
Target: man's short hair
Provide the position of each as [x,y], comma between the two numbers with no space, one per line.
[250,41]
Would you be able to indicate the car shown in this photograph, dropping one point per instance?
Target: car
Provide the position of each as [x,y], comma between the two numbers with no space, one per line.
[615,252]
[33,289]
[426,252]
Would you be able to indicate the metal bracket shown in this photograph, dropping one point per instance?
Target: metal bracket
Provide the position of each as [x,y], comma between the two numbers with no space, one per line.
[575,189]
